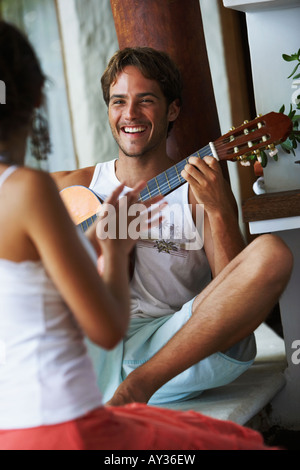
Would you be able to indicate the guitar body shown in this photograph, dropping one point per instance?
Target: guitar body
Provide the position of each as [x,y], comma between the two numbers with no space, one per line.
[82,204]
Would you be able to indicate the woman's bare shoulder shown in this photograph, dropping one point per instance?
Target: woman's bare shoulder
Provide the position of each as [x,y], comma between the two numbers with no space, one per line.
[30,189]
[32,182]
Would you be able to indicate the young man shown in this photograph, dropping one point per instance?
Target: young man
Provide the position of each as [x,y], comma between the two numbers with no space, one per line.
[187,333]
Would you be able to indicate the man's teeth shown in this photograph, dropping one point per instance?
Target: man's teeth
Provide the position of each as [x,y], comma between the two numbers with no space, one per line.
[132,130]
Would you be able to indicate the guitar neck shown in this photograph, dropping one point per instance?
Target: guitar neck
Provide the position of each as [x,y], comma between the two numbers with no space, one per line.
[171,179]
[238,144]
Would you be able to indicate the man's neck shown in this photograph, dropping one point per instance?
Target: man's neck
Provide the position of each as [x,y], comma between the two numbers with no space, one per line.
[132,170]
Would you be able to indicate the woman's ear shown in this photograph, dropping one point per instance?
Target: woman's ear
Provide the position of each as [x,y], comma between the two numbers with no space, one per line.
[174,110]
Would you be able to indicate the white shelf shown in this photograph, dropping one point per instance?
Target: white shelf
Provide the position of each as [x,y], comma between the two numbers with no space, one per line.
[252,5]
[274,225]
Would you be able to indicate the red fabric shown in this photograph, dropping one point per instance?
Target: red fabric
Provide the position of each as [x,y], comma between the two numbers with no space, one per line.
[135,427]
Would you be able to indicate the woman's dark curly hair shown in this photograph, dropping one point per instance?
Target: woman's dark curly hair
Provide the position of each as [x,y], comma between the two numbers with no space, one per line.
[21,72]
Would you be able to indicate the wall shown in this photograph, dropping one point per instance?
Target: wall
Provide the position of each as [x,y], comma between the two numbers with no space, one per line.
[226,41]
[89,40]
[273,30]
[271,34]
[216,54]
[39,22]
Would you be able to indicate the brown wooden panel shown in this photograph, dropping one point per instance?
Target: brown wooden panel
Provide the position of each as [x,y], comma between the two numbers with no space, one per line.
[272,206]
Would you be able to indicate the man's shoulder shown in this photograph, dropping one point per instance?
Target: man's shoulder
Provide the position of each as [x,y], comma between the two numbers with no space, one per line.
[82,176]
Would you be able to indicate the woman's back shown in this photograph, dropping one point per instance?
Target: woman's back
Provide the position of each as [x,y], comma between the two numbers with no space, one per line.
[45,361]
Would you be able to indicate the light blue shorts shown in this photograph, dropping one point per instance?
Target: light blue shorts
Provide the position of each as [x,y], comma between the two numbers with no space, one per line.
[145,337]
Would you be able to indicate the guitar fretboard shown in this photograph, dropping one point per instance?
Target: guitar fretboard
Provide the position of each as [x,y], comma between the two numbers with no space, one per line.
[163,184]
[171,179]
[87,223]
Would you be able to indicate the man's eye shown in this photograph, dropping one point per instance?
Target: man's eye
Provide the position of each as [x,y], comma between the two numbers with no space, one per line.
[117,102]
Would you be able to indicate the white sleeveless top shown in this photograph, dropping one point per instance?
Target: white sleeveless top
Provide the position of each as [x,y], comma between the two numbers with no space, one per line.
[46,376]
[170,263]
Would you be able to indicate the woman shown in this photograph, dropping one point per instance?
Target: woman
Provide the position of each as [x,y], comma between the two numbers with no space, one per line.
[51,295]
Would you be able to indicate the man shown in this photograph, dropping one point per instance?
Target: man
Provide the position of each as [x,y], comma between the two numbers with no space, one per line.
[187,334]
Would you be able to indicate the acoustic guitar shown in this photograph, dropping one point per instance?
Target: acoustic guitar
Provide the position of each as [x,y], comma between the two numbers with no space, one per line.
[238,144]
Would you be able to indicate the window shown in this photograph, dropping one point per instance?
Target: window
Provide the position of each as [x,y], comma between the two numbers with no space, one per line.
[38,19]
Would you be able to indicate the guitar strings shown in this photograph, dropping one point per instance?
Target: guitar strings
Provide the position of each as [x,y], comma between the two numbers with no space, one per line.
[176,179]
[165,186]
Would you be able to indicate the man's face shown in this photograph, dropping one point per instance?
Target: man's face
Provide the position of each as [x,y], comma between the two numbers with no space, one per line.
[138,113]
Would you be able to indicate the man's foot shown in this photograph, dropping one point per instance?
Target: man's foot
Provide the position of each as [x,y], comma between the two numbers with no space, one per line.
[127,393]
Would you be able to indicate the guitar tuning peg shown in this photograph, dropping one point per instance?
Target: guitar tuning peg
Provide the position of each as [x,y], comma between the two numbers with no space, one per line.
[232,128]
[259,124]
[246,122]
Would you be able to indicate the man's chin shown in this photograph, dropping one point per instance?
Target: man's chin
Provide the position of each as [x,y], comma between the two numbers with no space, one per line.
[133,154]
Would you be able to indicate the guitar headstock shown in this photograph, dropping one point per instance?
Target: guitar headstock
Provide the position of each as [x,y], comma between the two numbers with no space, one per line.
[261,133]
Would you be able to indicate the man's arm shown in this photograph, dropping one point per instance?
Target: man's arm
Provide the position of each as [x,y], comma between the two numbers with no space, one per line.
[83,177]
[222,236]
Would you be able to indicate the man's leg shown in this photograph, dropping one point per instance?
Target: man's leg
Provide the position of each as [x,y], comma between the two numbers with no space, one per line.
[234,304]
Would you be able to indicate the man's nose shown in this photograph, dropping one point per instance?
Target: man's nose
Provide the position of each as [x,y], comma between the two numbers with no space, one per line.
[131,111]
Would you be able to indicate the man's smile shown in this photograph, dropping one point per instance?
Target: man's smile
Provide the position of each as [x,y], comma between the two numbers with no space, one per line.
[133,129]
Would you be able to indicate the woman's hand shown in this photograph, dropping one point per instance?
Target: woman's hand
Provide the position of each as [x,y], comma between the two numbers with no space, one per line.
[122,220]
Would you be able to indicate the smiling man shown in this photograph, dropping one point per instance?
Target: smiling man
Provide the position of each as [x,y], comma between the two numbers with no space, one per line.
[138,118]
[193,311]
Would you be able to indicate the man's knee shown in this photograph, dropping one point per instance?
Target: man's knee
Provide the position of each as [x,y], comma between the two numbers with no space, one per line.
[274,255]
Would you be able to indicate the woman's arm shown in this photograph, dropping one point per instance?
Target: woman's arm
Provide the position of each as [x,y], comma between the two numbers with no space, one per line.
[102,309]
[100,305]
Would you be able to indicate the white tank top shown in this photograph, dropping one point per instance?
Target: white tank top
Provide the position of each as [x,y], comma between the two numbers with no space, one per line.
[46,376]
[170,266]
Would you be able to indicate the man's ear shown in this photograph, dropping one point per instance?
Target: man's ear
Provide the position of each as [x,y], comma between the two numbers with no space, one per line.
[174,110]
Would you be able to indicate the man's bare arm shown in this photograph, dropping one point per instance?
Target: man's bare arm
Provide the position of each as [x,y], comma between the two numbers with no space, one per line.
[83,177]
[222,236]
